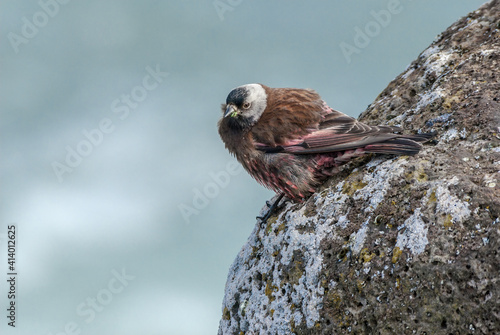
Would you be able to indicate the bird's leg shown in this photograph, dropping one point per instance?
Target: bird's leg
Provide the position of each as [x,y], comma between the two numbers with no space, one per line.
[271,209]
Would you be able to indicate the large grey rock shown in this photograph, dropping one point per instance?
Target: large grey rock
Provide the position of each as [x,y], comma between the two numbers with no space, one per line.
[394,245]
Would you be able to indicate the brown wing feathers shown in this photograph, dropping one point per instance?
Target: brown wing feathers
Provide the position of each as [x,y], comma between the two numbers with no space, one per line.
[302,123]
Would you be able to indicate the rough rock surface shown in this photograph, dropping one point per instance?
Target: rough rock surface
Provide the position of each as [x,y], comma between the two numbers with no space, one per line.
[394,245]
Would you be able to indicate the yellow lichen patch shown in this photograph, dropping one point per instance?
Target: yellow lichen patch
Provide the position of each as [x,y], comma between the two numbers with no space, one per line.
[270,288]
[419,173]
[342,277]
[272,220]
[337,299]
[448,221]
[432,197]
[271,312]
[342,255]
[450,100]
[422,177]
[365,255]
[281,227]
[226,315]
[269,227]
[352,187]
[398,283]
[360,284]
[353,183]
[396,253]
[333,299]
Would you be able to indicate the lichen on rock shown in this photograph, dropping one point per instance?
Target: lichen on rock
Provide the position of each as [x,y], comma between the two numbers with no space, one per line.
[394,245]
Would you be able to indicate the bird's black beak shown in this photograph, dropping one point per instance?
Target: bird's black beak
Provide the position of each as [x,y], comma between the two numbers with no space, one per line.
[231,110]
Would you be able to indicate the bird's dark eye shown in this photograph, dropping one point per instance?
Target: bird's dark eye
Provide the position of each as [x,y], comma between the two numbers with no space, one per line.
[246,105]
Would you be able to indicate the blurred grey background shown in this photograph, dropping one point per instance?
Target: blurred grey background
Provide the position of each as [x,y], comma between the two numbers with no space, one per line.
[129,211]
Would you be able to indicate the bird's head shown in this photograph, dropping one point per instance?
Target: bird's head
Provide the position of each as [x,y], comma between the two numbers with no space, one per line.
[245,104]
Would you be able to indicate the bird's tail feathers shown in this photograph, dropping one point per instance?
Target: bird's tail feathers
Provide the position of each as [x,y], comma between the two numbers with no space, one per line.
[402,145]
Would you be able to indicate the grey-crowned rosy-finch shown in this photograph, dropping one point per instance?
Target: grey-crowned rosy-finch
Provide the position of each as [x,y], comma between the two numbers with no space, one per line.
[290,141]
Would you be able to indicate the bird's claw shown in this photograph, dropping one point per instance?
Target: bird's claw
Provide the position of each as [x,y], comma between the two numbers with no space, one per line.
[271,208]
[264,218]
